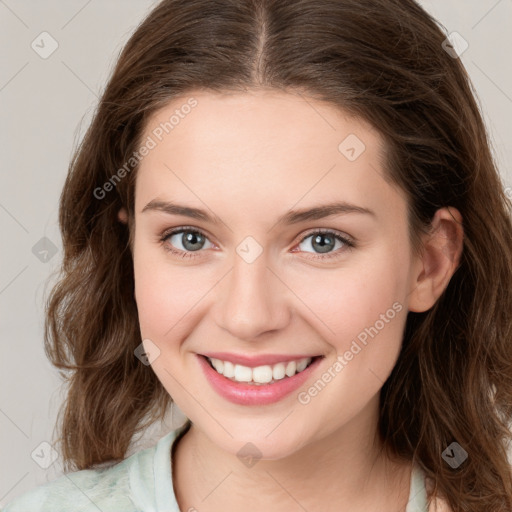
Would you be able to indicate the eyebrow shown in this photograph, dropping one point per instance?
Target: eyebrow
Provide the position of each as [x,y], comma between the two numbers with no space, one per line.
[290,217]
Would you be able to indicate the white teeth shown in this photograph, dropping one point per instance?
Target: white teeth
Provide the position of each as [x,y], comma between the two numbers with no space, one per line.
[278,371]
[243,373]
[302,364]
[218,365]
[229,369]
[291,369]
[260,374]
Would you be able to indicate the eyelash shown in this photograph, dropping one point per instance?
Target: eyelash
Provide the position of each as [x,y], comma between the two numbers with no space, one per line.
[349,244]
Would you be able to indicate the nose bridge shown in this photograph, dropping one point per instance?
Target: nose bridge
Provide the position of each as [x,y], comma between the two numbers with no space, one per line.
[253,299]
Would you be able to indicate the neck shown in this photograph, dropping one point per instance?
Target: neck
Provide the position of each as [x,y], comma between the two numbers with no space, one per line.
[344,470]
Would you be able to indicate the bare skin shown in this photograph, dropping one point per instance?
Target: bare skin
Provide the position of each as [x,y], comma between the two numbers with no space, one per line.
[249,159]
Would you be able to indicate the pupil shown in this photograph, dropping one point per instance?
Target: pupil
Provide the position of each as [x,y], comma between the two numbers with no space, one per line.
[190,241]
[323,247]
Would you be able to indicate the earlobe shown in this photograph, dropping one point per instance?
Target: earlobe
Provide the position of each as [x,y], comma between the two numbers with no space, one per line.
[122,215]
[442,250]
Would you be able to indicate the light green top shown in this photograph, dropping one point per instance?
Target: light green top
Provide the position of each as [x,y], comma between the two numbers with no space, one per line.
[418,492]
[140,483]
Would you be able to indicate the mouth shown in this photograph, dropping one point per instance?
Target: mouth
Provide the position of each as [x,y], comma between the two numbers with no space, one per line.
[263,374]
[240,384]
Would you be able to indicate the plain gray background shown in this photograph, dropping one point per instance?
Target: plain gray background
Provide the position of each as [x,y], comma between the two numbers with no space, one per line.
[46,104]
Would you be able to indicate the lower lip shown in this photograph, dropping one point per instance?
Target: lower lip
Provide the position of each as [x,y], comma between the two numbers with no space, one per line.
[252,394]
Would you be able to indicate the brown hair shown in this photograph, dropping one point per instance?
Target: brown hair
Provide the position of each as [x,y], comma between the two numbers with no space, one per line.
[381,60]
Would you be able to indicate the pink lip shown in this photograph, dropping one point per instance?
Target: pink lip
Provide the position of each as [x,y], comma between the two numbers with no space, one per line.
[250,394]
[254,361]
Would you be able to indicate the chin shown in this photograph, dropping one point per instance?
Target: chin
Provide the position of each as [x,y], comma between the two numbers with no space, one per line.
[259,444]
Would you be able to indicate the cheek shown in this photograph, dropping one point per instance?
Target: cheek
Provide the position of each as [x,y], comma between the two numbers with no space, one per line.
[162,296]
[360,310]
[158,291]
[361,314]
[169,296]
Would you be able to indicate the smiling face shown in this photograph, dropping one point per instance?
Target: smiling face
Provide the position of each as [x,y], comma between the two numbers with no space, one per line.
[248,278]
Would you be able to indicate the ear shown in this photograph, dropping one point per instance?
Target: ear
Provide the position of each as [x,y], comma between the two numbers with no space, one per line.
[122,215]
[442,250]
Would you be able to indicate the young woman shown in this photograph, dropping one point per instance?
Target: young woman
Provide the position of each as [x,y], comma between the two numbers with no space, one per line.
[285,218]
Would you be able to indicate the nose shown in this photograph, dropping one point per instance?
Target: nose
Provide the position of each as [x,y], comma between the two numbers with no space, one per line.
[253,300]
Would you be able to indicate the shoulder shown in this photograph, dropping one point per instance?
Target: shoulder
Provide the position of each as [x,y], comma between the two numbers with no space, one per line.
[84,491]
[107,489]
[141,481]
[436,504]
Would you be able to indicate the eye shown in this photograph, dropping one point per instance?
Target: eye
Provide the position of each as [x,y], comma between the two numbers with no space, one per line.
[324,242]
[185,241]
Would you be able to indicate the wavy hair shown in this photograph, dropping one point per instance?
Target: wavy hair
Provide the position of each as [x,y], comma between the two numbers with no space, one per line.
[381,60]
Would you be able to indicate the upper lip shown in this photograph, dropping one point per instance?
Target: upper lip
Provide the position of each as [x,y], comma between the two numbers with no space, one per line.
[259,360]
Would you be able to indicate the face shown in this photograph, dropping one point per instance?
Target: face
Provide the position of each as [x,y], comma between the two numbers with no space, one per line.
[255,280]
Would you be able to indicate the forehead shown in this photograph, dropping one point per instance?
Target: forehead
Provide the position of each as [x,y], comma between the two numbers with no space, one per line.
[262,119]
[246,147]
